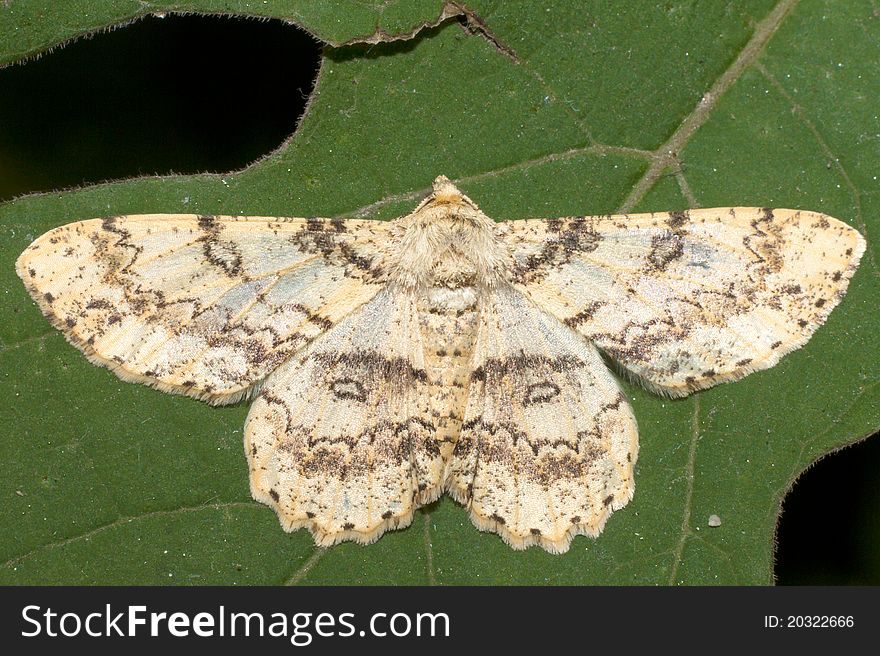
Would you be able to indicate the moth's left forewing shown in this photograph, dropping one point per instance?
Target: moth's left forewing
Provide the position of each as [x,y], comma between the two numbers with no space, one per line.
[686,300]
[201,305]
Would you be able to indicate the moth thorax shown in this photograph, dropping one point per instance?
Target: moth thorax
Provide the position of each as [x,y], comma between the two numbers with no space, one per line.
[453,268]
[450,249]
[454,299]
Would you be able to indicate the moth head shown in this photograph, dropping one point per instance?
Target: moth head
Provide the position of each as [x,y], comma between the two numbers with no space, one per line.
[445,192]
[445,201]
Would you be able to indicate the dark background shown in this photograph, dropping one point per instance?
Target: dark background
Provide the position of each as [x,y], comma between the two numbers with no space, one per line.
[218,93]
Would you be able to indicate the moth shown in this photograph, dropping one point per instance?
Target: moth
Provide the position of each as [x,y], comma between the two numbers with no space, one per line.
[390,362]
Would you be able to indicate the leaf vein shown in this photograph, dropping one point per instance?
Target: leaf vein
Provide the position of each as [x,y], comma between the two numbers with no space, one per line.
[667,154]
[121,521]
[689,494]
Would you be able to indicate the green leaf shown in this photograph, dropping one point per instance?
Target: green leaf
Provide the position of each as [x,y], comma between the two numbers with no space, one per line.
[536,109]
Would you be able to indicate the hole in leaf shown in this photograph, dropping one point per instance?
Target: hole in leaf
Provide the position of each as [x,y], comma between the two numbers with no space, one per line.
[828,532]
[182,94]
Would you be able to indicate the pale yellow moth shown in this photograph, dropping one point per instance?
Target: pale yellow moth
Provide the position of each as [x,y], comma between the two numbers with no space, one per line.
[390,362]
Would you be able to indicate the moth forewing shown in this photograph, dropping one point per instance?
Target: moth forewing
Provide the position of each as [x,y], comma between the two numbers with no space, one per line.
[201,305]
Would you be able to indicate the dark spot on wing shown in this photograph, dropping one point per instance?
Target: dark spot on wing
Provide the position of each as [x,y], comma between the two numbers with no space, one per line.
[369,364]
[495,368]
[207,222]
[347,388]
[572,237]
[542,392]
[677,219]
[584,315]
[665,248]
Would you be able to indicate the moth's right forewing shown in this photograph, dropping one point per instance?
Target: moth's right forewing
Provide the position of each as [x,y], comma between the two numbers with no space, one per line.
[204,306]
